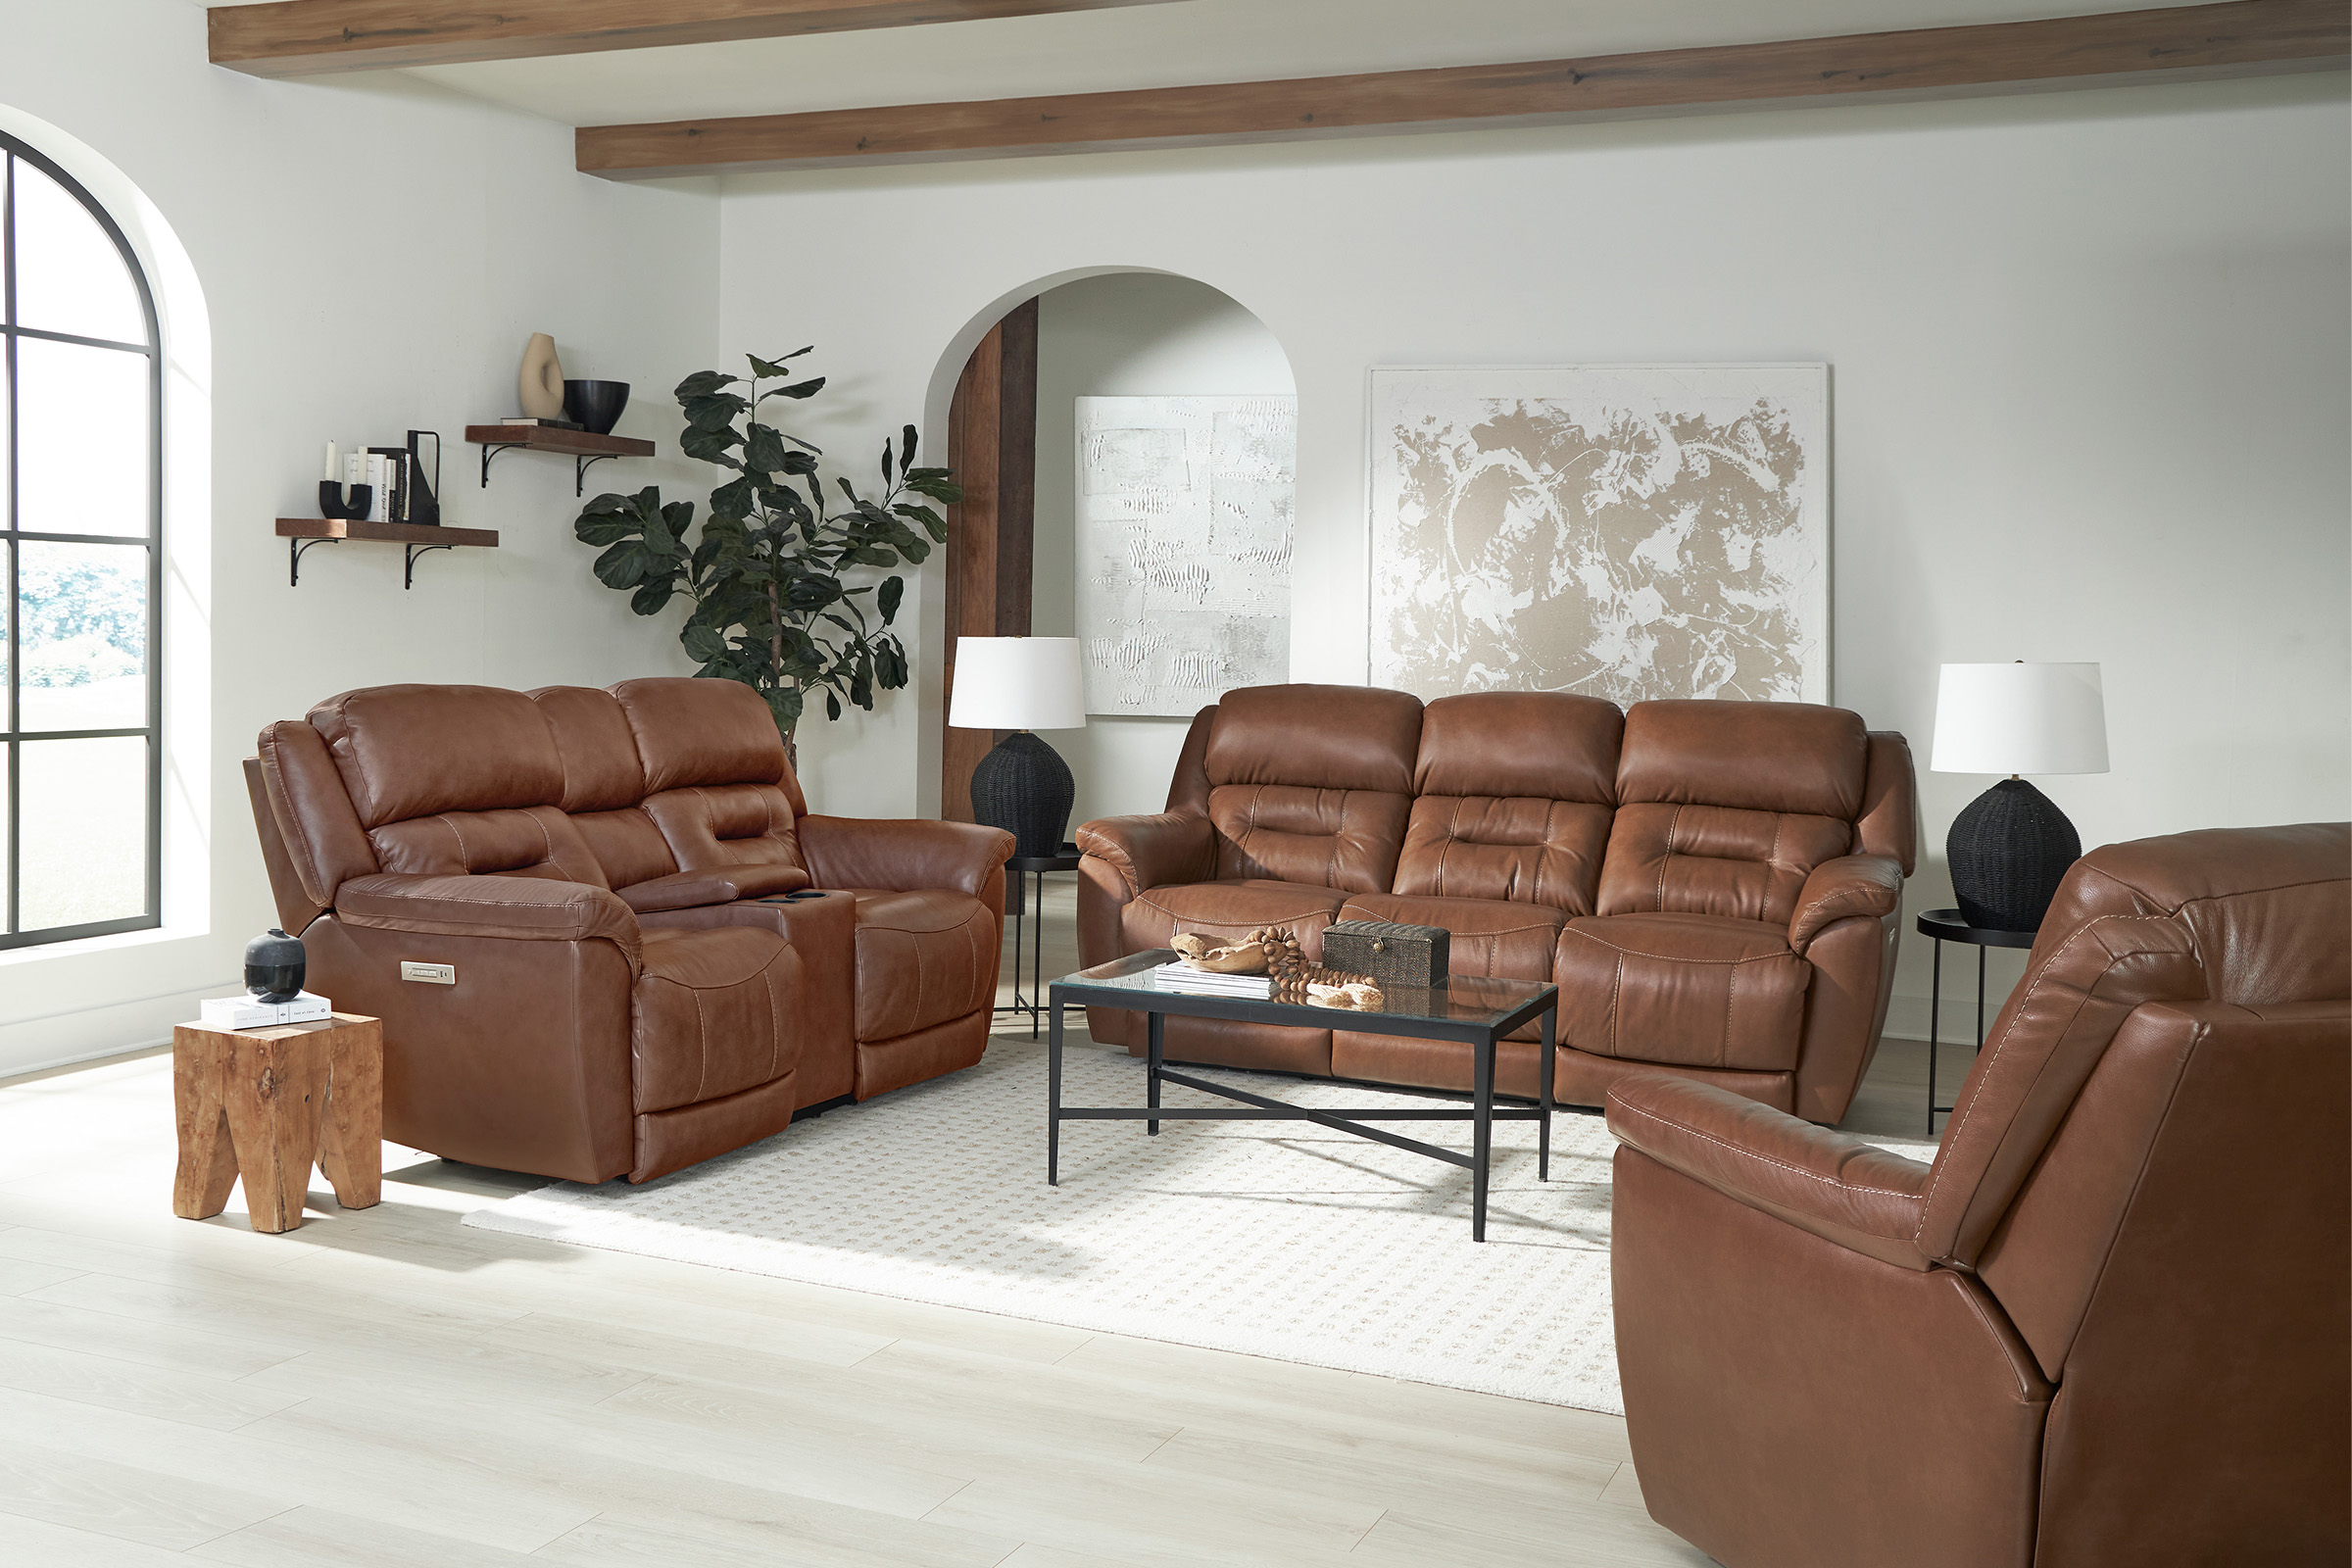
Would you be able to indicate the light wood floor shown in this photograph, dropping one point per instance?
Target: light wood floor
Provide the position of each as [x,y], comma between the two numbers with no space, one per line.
[385,1386]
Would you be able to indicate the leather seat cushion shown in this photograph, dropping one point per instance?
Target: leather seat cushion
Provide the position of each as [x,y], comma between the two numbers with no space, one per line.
[714,1014]
[1229,910]
[923,958]
[1486,936]
[1681,990]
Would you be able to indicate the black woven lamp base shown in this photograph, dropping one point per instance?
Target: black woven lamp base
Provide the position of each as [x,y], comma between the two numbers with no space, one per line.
[2009,849]
[1025,788]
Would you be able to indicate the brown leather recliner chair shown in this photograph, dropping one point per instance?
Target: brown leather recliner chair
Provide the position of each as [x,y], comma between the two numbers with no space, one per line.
[594,865]
[1714,885]
[2109,1325]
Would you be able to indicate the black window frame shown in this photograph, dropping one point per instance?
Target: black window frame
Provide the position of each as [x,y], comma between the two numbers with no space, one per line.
[13,738]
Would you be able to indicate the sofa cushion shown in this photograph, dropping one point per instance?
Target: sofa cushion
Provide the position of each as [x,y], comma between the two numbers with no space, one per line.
[692,731]
[1683,990]
[714,1014]
[411,750]
[1312,784]
[1229,910]
[536,841]
[923,958]
[600,768]
[1514,794]
[1486,936]
[712,826]
[1714,859]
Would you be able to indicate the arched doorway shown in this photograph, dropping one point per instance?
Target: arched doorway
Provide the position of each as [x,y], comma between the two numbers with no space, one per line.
[1088,341]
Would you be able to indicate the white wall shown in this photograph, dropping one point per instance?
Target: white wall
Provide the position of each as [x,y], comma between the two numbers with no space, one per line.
[1125,334]
[2089,389]
[487,235]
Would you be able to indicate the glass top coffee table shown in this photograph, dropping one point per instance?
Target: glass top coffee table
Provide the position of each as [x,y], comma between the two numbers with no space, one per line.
[1475,1012]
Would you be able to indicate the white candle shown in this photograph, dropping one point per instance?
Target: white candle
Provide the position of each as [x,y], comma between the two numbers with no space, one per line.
[331,472]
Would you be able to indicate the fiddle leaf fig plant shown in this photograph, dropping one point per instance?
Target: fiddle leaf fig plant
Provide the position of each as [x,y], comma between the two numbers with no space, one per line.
[785,592]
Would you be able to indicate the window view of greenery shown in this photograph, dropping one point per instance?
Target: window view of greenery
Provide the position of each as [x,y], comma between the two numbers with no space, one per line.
[78,605]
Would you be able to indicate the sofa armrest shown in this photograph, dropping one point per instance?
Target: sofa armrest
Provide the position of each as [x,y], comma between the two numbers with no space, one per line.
[1870,885]
[1153,852]
[902,854]
[529,909]
[1832,1184]
[719,884]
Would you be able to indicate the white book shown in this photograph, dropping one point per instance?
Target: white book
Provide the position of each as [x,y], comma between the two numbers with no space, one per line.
[250,1013]
[1201,983]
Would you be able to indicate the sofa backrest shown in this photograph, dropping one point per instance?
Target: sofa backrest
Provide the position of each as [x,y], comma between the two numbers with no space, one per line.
[604,783]
[455,780]
[1514,795]
[1725,807]
[1312,784]
[717,784]
[2253,919]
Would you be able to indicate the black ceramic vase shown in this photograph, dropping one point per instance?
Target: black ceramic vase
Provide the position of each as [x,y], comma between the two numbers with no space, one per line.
[2010,849]
[274,963]
[595,406]
[1025,788]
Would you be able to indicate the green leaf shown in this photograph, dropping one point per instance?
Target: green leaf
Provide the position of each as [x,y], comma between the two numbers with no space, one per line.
[730,503]
[651,596]
[832,706]
[710,444]
[768,368]
[604,531]
[906,449]
[893,589]
[763,449]
[886,464]
[785,700]
[798,462]
[798,389]
[703,383]
[623,565]
[701,644]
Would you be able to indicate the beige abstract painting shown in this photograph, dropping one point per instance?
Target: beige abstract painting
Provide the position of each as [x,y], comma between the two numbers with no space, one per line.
[1621,531]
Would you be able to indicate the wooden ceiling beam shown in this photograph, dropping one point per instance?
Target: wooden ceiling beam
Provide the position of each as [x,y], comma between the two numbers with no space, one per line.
[308,38]
[2241,37]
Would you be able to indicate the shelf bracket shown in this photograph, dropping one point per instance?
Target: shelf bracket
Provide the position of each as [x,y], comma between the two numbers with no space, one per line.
[407,575]
[294,550]
[579,471]
[491,449]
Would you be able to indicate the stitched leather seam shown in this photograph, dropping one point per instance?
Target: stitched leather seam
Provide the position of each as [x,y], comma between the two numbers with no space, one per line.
[701,1044]
[1749,1154]
[301,831]
[1730,994]
[1616,983]
[775,1030]
[1992,1054]
[464,854]
[1675,957]
[1672,823]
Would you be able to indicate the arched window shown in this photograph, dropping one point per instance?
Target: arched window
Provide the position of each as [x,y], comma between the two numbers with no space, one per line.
[80,472]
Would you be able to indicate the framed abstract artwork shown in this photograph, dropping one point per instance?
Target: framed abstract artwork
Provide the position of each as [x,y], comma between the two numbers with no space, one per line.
[1184,548]
[1627,531]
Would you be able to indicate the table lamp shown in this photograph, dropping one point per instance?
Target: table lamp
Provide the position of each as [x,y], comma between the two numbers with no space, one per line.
[2011,845]
[1020,684]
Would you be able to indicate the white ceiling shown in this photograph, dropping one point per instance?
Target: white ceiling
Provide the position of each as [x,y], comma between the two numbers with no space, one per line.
[1167,44]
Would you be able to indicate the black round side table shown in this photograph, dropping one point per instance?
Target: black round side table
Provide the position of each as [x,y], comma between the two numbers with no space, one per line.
[1945,926]
[1024,905]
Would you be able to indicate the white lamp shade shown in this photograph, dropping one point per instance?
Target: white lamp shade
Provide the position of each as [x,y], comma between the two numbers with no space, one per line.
[2020,718]
[1017,683]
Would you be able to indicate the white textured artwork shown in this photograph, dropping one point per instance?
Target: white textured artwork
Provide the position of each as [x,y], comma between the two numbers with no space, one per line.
[1626,531]
[1184,548]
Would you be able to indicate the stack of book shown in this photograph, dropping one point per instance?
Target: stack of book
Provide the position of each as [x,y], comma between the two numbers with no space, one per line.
[1181,976]
[251,1012]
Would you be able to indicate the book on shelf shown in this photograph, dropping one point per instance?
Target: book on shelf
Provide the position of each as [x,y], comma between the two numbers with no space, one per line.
[1183,977]
[544,424]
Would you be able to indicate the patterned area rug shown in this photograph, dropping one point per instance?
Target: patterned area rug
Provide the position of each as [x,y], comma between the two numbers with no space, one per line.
[1274,1239]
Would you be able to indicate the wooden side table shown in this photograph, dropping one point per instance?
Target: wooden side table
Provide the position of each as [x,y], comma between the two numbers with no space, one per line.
[261,1103]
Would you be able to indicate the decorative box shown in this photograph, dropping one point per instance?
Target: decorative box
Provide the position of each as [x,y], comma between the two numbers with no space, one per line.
[1392,954]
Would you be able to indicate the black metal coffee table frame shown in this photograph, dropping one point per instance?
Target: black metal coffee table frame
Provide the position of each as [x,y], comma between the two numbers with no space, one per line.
[1096,988]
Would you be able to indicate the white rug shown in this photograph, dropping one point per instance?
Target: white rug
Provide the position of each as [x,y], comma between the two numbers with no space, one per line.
[1274,1239]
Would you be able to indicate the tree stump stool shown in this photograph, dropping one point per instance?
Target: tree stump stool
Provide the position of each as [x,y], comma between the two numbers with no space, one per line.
[261,1103]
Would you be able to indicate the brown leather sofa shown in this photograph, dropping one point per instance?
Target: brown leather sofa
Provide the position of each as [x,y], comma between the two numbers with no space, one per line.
[1714,885]
[595,865]
[2109,1324]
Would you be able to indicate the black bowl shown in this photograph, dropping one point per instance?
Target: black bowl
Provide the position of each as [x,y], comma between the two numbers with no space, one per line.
[596,404]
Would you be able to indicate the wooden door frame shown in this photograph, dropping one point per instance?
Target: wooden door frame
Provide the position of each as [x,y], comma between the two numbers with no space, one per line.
[991,445]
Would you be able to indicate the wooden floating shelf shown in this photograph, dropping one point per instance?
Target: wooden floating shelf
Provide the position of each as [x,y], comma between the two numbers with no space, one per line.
[391,533]
[548,438]
[414,538]
[583,447]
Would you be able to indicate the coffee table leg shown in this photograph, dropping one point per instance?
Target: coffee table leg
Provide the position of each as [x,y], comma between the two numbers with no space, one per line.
[1545,1065]
[1483,1141]
[1151,1072]
[1054,1095]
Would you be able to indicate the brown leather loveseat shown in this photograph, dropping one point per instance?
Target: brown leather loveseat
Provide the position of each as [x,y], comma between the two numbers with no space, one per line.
[1714,885]
[2111,1325]
[601,869]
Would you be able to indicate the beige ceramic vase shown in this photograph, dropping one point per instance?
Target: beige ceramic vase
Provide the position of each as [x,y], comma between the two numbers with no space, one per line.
[541,380]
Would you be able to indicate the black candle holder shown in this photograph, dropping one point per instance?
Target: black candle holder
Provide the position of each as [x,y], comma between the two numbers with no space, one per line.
[350,502]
